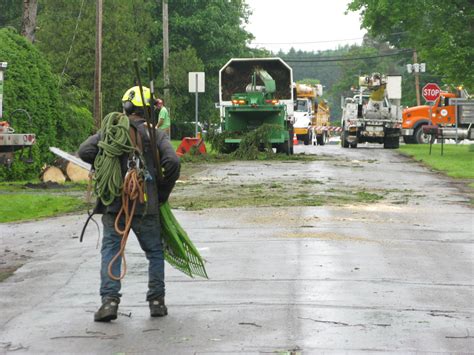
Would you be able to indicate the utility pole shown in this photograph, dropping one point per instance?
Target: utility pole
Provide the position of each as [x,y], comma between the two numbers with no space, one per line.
[417,80]
[166,53]
[28,23]
[98,65]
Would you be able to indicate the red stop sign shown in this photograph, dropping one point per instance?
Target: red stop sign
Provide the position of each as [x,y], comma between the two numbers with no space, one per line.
[430,91]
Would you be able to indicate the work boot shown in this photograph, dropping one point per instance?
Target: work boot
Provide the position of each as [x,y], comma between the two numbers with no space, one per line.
[108,310]
[157,307]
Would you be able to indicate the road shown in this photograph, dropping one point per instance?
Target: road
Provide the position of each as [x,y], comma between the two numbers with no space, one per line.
[395,275]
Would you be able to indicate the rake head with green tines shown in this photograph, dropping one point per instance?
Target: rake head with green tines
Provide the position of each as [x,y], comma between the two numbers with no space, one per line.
[180,252]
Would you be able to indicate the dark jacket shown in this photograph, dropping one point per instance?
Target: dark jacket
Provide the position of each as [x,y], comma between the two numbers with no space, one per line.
[169,163]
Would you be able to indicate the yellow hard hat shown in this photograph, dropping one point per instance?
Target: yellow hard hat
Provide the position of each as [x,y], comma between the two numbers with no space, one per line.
[133,95]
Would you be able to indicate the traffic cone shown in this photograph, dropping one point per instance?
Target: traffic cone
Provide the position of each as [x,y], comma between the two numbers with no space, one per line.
[295,139]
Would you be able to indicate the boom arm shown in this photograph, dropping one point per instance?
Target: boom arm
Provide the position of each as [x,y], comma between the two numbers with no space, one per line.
[267,79]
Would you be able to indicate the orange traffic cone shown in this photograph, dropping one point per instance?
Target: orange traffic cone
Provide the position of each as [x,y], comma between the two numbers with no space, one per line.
[295,139]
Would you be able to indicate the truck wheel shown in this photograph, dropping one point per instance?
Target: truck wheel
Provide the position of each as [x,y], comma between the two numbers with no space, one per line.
[409,140]
[307,138]
[230,148]
[391,142]
[353,145]
[420,137]
[322,139]
[344,142]
[285,148]
[290,140]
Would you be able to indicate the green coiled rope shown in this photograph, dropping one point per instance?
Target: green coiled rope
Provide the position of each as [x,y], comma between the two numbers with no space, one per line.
[115,141]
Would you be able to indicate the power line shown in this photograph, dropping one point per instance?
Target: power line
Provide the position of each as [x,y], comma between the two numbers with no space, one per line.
[314,42]
[345,59]
[73,37]
[325,41]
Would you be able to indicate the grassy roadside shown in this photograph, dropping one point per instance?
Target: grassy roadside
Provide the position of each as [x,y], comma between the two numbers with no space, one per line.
[203,196]
[26,206]
[457,160]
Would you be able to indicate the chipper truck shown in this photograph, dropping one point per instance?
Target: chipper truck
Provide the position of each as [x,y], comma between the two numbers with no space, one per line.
[255,92]
[374,114]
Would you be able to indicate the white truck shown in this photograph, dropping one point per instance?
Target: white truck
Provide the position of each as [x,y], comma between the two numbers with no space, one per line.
[311,117]
[374,114]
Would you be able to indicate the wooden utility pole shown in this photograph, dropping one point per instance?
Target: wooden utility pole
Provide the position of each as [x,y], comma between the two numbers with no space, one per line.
[417,80]
[28,23]
[166,53]
[98,65]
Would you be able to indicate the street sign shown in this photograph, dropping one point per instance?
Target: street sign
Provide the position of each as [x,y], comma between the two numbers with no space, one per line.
[431,91]
[196,82]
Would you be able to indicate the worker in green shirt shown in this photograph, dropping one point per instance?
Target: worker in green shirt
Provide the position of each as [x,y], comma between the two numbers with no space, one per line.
[164,121]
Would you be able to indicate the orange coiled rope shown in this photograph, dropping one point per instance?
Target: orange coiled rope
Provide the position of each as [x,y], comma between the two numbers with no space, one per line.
[133,191]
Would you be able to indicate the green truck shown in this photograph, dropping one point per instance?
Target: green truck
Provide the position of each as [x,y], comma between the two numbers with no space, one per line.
[255,92]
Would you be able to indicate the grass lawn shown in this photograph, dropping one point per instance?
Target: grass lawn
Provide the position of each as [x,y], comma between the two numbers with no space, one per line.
[24,206]
[457,161]
[175,143]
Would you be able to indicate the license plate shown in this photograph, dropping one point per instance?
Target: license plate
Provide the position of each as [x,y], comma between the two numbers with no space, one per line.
[374,128]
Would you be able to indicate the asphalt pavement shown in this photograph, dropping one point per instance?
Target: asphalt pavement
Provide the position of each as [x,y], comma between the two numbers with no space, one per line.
[391,277]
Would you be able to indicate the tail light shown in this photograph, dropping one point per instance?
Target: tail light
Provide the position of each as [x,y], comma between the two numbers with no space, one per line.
[239,102]
[273,102]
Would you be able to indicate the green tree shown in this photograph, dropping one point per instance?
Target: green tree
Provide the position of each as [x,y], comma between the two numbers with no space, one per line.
[441,31]
[214,29]
[126,34]
[309,81]
[182,104]
[10,13]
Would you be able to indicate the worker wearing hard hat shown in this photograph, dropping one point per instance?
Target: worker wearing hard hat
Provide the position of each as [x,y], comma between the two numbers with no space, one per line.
[145,221]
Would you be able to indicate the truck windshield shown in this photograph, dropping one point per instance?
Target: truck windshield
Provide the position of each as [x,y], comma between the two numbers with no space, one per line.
[302,106]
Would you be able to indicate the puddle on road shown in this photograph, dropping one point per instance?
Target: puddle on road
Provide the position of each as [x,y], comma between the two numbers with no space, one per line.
[379,207]
[282,217]
[327,236]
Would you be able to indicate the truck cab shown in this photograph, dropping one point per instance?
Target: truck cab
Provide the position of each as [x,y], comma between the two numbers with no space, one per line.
[304,116]
[440,113]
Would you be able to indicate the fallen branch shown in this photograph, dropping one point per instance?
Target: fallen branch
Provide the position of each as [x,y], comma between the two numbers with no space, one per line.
[337,323]
[254,324]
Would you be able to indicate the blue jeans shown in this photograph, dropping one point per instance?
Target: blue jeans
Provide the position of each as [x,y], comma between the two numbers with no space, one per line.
[147,230]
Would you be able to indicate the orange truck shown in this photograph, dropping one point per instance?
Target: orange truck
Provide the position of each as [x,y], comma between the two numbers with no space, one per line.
[442,113]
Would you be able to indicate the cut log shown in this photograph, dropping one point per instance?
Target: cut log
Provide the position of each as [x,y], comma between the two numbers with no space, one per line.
[75,173]
[54,174]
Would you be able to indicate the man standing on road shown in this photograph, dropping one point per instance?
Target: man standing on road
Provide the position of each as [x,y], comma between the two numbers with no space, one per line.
[164,121]
[146,220]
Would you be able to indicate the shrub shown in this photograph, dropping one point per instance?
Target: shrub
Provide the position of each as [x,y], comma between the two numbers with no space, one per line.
[29,84]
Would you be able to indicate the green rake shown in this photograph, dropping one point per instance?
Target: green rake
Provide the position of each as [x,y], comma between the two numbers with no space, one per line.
[180,252]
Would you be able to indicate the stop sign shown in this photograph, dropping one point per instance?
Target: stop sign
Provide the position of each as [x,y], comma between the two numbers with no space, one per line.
[430,91]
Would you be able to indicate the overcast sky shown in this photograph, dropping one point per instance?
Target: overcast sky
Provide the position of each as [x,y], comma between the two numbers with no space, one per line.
[282,24]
